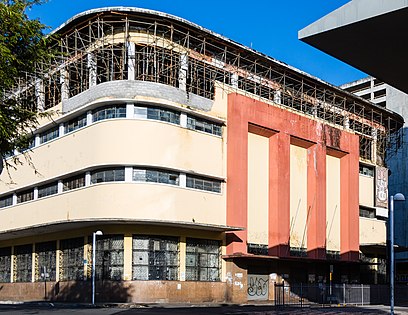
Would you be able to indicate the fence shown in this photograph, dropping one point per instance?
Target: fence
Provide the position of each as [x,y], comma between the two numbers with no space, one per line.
[345,294]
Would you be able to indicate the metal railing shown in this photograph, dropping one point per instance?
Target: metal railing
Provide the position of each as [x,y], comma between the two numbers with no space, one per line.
[344,294]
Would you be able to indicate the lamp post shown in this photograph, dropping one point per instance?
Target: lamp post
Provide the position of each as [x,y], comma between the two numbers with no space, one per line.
[396,197]
[94,234]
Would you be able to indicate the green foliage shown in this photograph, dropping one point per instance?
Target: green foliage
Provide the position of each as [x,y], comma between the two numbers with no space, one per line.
[23,48]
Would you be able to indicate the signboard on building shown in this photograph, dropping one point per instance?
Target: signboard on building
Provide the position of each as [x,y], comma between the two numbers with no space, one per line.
[381,187]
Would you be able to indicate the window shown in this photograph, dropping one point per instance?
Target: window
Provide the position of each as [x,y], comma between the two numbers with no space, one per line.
[46,259]
[47,190]
[24,196]
[72,259]
[73,182]
[155,258]
[75,124]
[6,201]
[5,264]
[203,183]
[109,175]
[367,212]
[23,265]
[156,113]
[48,135]
[202,260]
[155,176]
[200,124]
[366,170]
[257,249]
[109,257]
[109,112]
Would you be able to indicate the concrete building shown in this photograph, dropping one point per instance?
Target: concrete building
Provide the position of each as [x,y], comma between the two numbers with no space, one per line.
[351,34]
[213,170]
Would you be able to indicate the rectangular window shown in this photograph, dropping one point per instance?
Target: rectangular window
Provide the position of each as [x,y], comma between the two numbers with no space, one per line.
[202,260]
[47,190]
[109,257]
[201,183]
[46,258]
[109,175]
[109,112]
[75,123]
[73,182]
[6,201]
[155,258]
[204,125]
[72,259]
[5,264]
[366,170]
[155,176]
[23,264]
[48,135]
[367,212]
[157,113]
[24,196]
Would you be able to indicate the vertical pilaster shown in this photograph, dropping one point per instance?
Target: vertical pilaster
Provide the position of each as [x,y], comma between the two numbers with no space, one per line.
[183,72]
[127,256]
[58,261]
[279,194]
[92,69]
[131,52]
[316,201]
[182,250]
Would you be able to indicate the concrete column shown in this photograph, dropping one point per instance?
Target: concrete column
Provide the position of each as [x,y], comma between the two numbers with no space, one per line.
[87,179]
[183,180]
[128,174]
[35,193]
[374,146]
[183,120]
[234,80]
[60,187]
[130,110]
[61,130]
[86,261]
[127,257]
[13,258]
[14,199]
[57,261]
[92,69]
[64,80]
[131,50]
[277,97]
[40,94]
[88,118]
[37,140]
[182,249]
[183,72]
[33,264]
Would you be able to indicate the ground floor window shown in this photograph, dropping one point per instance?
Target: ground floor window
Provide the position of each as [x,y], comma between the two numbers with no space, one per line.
[23,263]
[72,259]
[109,257]
[202,260]
[155,258]
[5,264]
[46,260]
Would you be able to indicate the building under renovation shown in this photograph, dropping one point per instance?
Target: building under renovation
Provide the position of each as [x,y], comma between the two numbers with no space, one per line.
[212,170]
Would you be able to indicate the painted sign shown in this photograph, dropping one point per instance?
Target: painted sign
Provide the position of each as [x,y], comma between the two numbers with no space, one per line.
[381,187]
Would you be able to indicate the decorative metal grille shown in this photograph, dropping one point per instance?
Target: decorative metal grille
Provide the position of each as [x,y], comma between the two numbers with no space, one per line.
[24,263]
[257,249]
[46,258]
[72,259]
[5,264]
[155,258]
[109,257]
[202,260]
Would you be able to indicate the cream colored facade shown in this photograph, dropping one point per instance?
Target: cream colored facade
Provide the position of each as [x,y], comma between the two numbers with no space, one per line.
[141,150]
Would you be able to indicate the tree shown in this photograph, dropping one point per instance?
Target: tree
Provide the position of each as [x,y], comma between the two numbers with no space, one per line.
[23,47]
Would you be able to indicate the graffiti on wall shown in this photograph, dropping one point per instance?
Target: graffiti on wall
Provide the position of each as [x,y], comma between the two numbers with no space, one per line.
[258,287]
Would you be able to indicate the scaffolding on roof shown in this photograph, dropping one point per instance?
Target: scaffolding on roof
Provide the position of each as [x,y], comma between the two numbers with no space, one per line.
[110,45]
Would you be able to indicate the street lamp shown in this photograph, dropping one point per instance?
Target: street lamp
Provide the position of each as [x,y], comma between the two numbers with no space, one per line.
[396,197]
[94,234]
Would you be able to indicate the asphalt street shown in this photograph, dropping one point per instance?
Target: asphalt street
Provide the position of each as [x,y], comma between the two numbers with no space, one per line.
[47,308]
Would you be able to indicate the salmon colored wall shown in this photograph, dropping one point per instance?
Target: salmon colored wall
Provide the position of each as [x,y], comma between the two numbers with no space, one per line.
[286,127]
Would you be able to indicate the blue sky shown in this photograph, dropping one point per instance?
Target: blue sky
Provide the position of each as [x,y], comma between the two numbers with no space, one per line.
[269,26]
